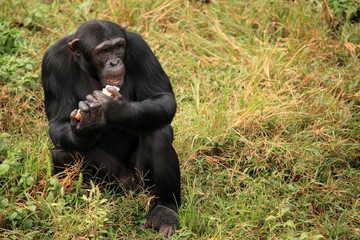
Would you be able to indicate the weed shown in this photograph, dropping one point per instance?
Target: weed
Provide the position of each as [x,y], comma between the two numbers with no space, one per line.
[267,128]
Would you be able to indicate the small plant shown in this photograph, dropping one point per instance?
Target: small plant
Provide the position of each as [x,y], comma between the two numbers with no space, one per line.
[345,10]
[267,126]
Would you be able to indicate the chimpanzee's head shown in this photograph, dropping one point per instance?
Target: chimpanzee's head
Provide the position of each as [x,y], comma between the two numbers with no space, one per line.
[99,48]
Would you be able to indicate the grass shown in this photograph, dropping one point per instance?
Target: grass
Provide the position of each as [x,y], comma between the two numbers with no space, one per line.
[267,128]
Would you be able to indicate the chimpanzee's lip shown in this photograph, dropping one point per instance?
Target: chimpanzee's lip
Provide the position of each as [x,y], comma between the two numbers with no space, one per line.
[114,81]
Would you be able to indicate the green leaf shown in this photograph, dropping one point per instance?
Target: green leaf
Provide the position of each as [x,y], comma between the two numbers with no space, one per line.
[4,168]
[12,216]
[55,183]
[271,217]
[275,226]
[29,180]
[4,202]
[27,21]
[2,144]
[50,197]
[29,67]
[32,208]
[290,223]
[319,236]
[283,211]
[28,223]
[304,236]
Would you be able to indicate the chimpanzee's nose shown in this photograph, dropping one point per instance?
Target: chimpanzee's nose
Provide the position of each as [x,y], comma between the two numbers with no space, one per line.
[114,62]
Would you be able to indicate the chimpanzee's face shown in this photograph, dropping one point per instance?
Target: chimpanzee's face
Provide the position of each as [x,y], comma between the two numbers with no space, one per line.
[108,57]
[99,49]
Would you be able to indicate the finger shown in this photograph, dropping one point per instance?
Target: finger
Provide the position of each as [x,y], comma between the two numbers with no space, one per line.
[91,98]
[167,230]
[93,105]
[98,111]
[95,109]
[116,95]
[73,120]
[112,90]
[146,225]
[100,96]
[83,106]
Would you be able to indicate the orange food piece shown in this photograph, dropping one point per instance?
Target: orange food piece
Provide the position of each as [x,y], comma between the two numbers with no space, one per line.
[78,115]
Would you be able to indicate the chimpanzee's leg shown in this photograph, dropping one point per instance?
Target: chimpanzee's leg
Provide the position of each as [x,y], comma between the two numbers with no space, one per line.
[106,167]
[61,159]
[100,165]
[157,155]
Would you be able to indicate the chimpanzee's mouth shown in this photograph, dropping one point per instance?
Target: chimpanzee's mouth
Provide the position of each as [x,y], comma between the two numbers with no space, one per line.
[114,81]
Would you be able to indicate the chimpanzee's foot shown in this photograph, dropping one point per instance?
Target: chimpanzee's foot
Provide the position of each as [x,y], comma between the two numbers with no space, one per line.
[163,219]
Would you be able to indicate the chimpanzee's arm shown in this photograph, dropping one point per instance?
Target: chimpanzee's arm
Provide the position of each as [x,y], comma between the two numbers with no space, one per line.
[139,116]
[59,77]
[153,104]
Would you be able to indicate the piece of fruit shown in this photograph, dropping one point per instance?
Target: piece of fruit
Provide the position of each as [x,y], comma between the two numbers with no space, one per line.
[106,92]
[78,115]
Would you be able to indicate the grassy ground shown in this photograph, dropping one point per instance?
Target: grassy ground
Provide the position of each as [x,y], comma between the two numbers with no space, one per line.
[267,128]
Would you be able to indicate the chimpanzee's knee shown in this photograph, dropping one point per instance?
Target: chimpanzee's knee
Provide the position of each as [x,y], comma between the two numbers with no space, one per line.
[61,159]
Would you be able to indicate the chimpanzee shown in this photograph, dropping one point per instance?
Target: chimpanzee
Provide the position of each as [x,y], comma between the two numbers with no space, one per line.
[126,137]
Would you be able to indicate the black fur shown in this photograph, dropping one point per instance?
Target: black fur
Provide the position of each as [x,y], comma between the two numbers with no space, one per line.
[125,139]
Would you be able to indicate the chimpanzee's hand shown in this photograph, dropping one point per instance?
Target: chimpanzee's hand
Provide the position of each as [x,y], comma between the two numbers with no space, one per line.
[110,104]
[114,93]
[114,108]
[104,99]
[92,116]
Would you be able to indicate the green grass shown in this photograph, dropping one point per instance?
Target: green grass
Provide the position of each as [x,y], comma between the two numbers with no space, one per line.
[267,128]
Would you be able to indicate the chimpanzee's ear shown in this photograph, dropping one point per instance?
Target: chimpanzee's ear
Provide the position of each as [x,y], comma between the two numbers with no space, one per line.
[74,48]
[124,26]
